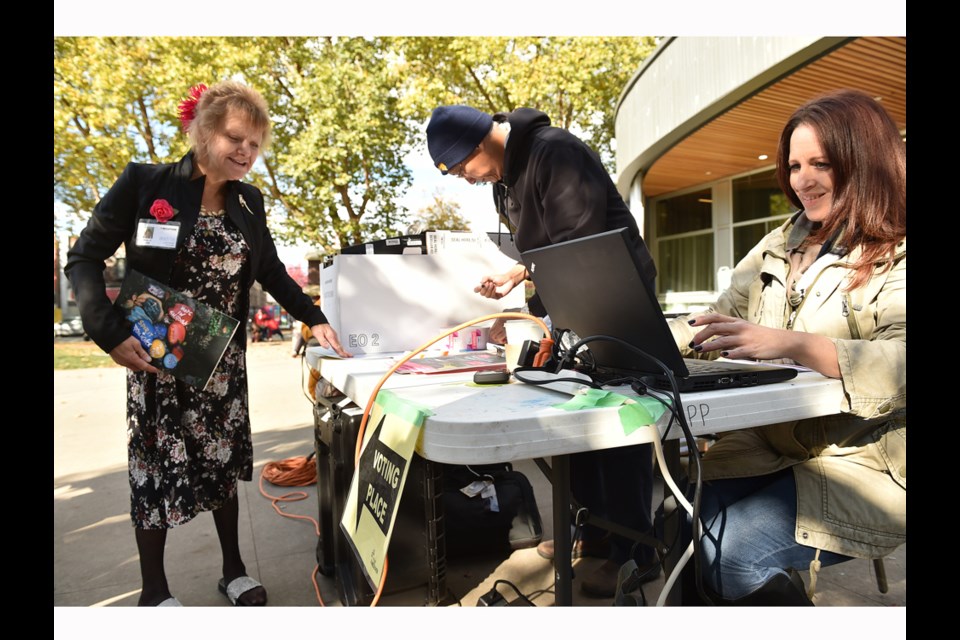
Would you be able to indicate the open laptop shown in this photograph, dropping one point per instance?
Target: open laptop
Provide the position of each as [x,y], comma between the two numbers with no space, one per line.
[594,286]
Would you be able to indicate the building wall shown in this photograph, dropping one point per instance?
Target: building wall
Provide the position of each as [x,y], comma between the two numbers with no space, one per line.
[683,85]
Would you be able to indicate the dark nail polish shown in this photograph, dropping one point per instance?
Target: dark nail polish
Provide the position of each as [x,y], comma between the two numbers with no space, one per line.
[698,348]
[724,353]
[691,345]
[691,321]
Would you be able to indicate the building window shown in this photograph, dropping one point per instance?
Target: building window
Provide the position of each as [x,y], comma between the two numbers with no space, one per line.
[759,207]
[685,243]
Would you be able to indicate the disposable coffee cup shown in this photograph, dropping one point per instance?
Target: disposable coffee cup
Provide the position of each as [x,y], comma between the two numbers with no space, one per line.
[518,331]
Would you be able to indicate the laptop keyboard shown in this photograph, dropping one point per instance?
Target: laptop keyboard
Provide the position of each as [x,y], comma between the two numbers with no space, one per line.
[705,366]
[695,367]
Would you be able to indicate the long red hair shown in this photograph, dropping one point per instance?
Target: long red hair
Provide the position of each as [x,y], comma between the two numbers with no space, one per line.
[869,161]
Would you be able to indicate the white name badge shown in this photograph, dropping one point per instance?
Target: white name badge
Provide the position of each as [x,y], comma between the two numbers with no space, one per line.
[156,234]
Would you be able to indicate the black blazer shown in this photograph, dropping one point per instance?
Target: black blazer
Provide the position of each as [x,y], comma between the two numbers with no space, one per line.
[114,222]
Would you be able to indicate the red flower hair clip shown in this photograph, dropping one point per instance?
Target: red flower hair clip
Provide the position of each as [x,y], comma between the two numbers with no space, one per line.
[188,106]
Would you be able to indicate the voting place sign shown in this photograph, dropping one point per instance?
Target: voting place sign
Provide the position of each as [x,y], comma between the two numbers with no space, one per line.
[389,440]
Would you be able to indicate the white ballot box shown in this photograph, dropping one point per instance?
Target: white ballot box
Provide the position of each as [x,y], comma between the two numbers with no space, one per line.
[389,303]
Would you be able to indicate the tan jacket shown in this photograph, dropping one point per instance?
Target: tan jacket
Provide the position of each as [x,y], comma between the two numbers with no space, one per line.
[850,468]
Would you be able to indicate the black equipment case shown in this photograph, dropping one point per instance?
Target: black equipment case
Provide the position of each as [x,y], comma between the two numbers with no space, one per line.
[417,558]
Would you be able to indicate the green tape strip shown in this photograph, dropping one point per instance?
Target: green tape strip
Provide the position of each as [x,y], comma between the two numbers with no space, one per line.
[639,412]
[407,410]
[635,415]
[592,398]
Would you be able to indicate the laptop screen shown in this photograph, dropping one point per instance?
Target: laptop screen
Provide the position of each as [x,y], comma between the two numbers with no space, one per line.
[594,286]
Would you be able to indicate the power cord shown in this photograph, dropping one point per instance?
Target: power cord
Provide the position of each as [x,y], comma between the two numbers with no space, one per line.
[671,402]
[494,598]
[564,339]
[681,417]
[641,388]
[519,371]
[299,471]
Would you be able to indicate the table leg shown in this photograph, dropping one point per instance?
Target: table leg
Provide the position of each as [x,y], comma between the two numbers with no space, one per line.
[562,571]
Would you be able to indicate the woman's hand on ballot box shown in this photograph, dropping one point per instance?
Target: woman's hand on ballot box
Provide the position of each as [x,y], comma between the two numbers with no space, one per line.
[327,337]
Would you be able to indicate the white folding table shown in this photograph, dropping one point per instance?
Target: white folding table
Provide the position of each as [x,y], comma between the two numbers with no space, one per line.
[473,424]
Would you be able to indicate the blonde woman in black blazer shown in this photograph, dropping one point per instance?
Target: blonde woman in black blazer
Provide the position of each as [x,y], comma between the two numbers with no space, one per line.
[195,227]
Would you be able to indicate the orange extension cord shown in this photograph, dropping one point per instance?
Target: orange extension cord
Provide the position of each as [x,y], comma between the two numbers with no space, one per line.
[300,471]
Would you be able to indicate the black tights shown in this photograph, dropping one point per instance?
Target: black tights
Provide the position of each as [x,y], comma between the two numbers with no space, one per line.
[151,543]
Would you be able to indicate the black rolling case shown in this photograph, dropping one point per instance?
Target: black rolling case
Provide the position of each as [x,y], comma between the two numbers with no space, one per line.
[417,558]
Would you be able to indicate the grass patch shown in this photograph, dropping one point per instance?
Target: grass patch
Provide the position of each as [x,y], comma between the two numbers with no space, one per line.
[79,355]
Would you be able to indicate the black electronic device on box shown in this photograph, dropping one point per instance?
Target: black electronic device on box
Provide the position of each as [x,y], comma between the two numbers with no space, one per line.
[400,245]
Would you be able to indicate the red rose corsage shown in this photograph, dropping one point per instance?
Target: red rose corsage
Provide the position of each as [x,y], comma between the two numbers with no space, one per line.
[188,106]
[162,210]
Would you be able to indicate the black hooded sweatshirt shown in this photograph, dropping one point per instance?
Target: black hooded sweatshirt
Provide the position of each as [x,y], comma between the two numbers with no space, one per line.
[554,188]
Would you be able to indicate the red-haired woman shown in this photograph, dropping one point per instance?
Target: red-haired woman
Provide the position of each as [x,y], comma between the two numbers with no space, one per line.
[827,290]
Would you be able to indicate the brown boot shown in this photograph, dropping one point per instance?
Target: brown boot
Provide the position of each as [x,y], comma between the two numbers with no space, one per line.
[581,549]
[602,583]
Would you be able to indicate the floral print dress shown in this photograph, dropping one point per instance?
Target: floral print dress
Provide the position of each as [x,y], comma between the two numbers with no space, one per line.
[188,447]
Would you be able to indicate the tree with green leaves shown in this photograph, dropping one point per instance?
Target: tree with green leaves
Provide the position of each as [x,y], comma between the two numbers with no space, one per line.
[337,168]
[576,81]
[335,171]
[346,111]
[442,215]
[115,101]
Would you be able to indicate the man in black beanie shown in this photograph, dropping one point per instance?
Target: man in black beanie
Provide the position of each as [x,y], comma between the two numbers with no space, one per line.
[551,187]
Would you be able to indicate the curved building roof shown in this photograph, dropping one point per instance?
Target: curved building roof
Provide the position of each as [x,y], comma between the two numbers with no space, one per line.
[702,108]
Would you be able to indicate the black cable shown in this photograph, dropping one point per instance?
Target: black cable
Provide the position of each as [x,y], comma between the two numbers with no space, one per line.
[642,389]
[687,434]
[637,385]
[586,358]
[515,589]
[676,414]
[652,393]
[640,578]
[536,594]
[621,381]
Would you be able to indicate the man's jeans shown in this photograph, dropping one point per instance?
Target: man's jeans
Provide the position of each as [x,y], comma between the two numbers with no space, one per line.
[749,533]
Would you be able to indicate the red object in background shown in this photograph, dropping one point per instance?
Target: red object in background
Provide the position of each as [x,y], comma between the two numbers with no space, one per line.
[266,324]
[262,317]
